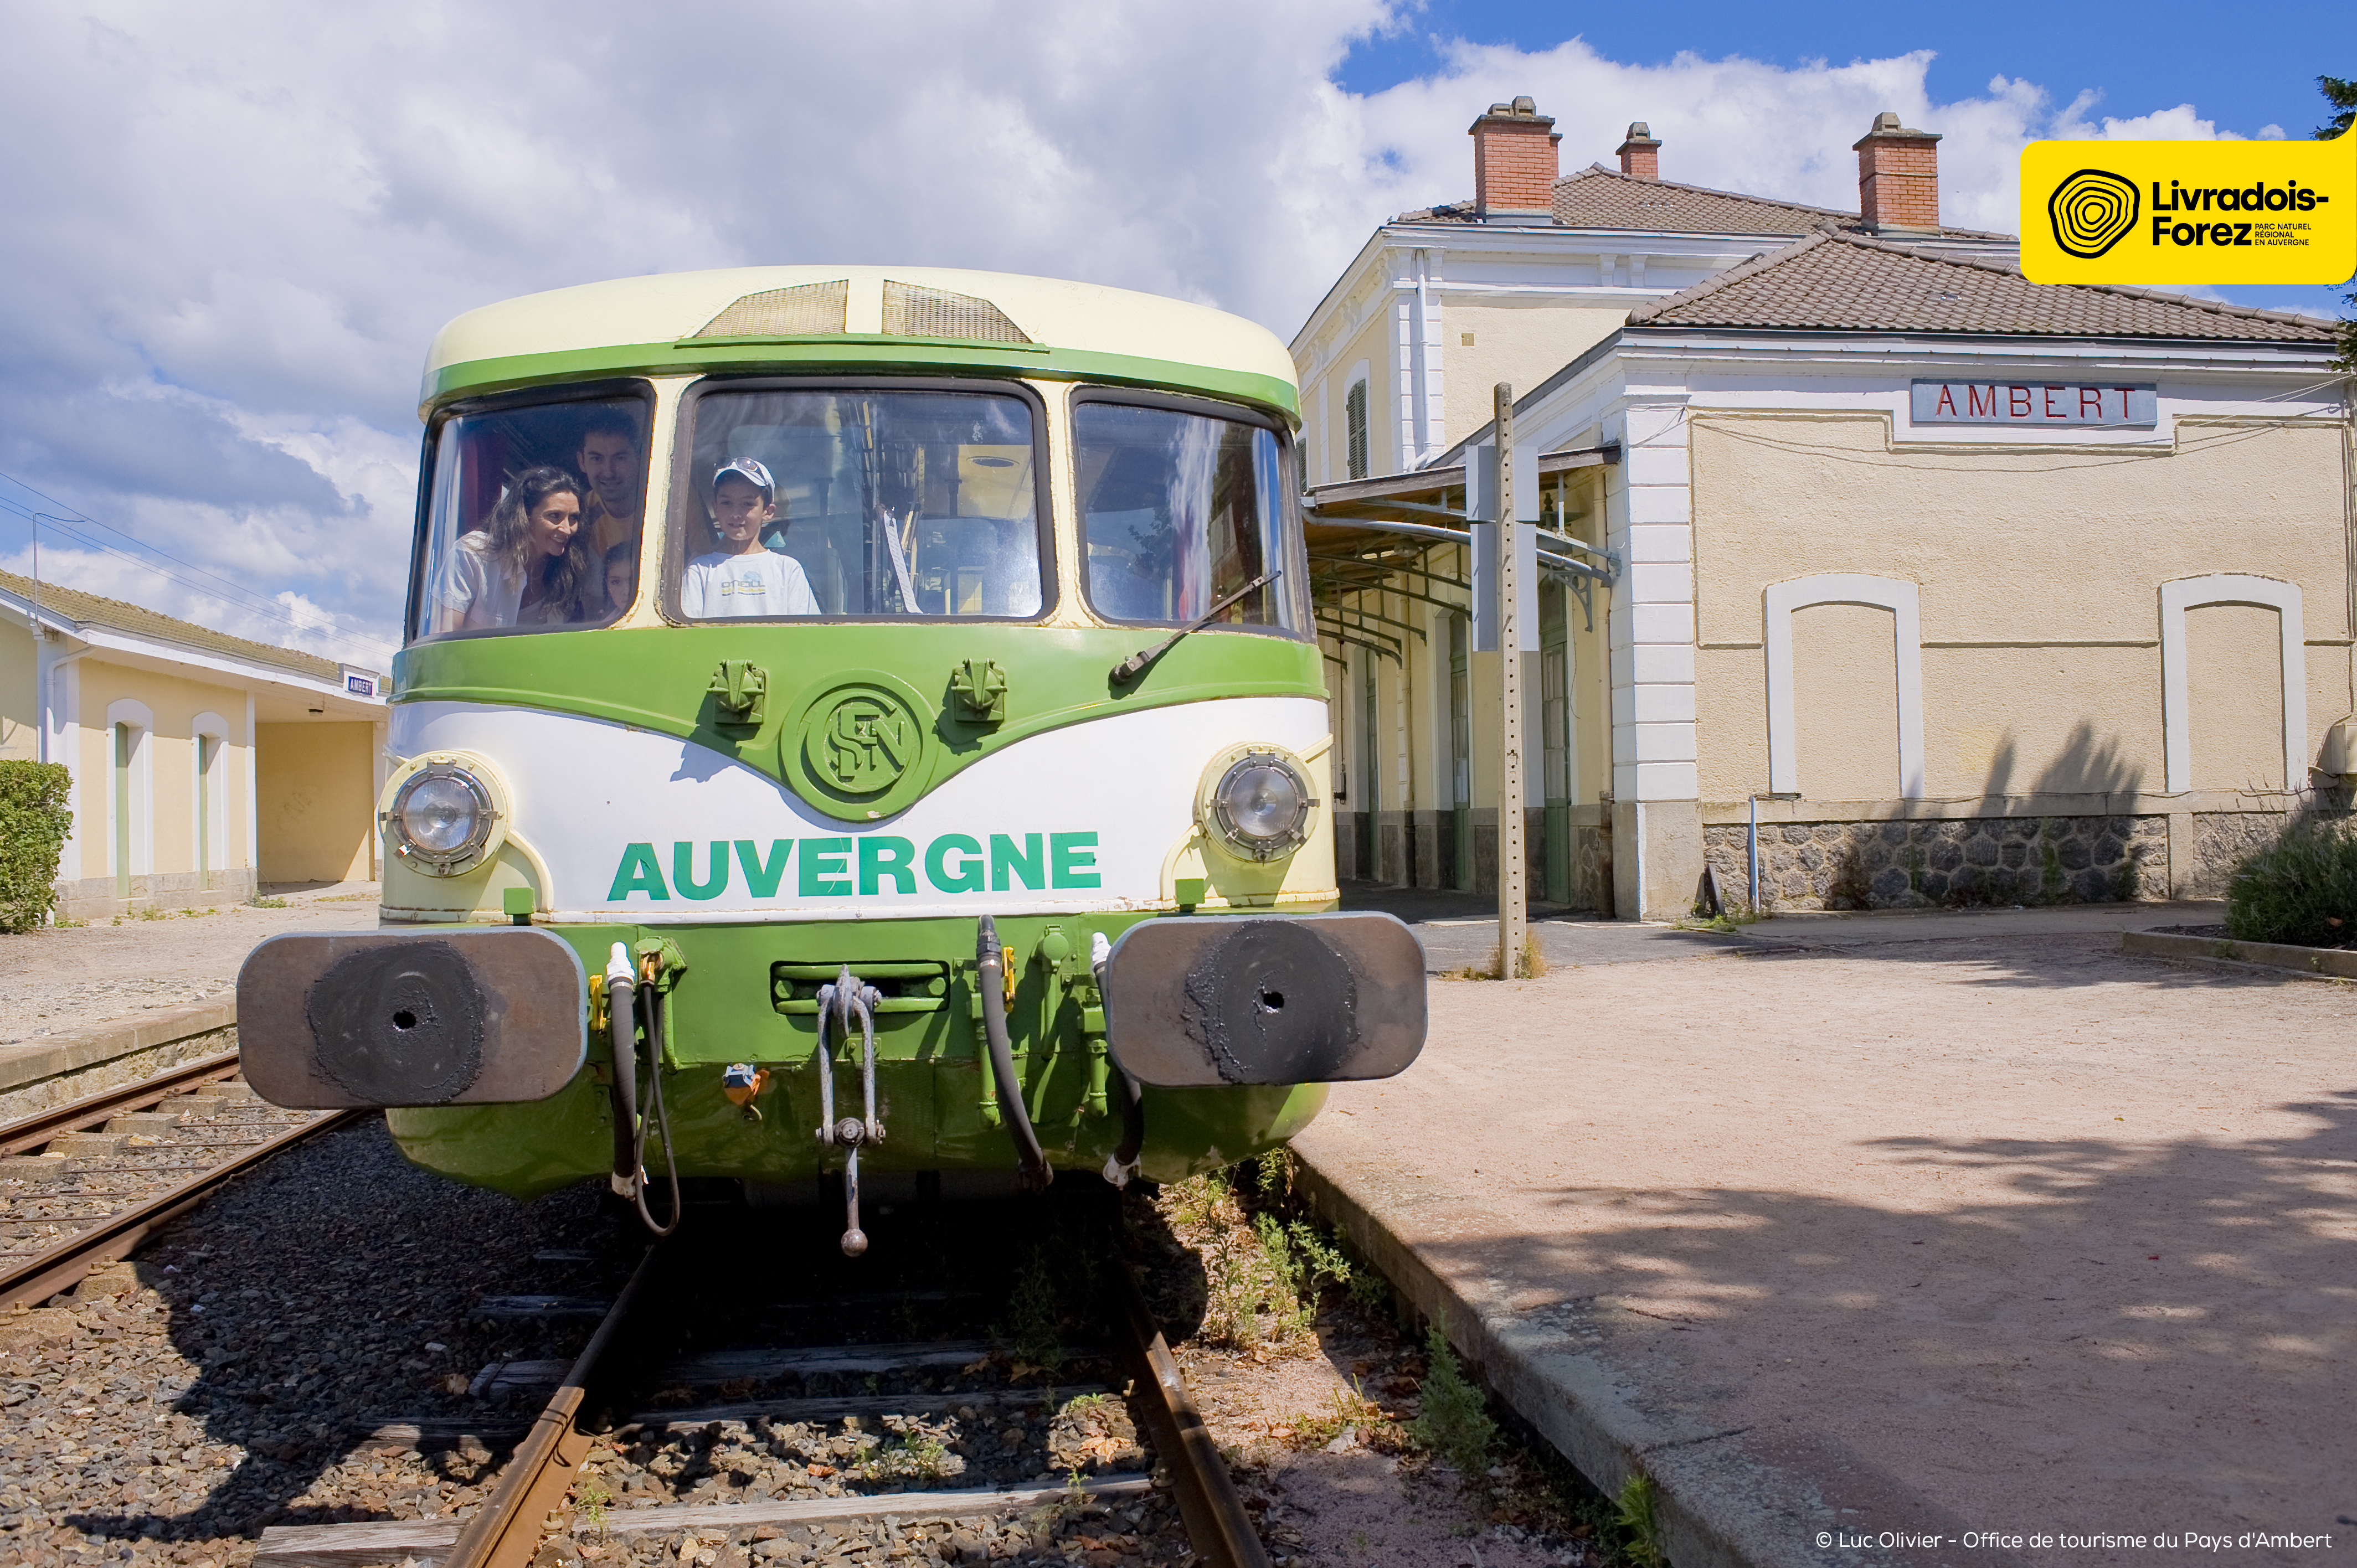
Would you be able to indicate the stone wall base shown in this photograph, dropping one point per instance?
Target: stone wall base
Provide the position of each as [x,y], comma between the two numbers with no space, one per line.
[2221,840]
[94,897]
[1929,863]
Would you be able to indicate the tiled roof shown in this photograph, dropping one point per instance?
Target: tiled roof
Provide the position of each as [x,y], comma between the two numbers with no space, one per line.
[89,609]
[1601,198]
[1842,284]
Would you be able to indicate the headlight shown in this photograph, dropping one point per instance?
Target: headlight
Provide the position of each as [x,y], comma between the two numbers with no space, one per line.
[442,817]
[1261,805]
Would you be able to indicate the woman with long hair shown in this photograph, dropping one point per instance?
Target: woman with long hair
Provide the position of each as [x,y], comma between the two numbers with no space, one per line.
[530,567]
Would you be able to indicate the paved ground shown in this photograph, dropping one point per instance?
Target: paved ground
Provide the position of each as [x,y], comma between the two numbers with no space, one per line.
[64,979]
[1966,1221]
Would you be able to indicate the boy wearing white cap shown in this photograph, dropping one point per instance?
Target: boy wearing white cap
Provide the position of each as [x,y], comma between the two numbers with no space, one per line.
[743,578]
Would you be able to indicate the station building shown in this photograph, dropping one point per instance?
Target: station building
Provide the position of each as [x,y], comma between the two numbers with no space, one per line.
[1963,589]
[203,764]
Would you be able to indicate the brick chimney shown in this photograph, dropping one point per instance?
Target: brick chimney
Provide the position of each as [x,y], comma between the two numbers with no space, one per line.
[1898,178]
[1515,163]
[1641,156]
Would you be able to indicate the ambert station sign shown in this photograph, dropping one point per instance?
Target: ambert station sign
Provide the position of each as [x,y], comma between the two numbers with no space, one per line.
[2076,403]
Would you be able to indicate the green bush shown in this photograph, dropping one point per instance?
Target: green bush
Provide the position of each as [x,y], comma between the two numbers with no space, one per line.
[2300,889]
[35,817]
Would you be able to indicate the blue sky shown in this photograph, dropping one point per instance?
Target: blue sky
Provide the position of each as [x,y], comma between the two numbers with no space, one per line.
[2140,57]
[2242,69]
[228,248]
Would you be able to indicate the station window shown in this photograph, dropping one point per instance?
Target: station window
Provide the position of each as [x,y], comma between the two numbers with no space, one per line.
[1180,508]
[532,516]
[859,502]
[1354,411]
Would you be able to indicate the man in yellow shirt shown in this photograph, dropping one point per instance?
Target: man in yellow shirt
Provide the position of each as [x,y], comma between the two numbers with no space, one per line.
[608,457]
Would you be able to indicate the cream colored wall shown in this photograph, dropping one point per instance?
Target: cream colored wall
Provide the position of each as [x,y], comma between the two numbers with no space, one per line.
[2040,574]
[176,702]
[19,712]
[317,802]
[1846,702]
[2234,665]
[1370,344]
[1520,343]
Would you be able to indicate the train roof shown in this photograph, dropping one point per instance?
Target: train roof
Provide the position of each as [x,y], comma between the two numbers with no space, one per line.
[858,319]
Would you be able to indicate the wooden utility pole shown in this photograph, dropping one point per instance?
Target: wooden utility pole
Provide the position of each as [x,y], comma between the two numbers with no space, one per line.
[1513,912]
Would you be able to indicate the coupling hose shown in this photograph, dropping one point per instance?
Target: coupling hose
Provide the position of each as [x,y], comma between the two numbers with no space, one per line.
[990,975]
[620,985]
[651,996]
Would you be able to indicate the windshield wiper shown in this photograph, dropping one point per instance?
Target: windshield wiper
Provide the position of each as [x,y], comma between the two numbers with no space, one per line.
[1137,664]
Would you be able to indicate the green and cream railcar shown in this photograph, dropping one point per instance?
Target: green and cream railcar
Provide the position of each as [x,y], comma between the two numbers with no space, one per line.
[960,812]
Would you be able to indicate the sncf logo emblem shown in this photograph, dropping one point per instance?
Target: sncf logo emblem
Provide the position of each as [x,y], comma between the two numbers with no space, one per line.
[870,741]
[2091,211]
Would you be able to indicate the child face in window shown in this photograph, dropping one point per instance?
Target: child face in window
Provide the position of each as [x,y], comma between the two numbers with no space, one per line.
[741,511]
[618,583]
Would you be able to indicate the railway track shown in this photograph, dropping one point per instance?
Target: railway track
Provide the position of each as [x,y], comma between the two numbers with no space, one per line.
[592,1465]
[83,1185]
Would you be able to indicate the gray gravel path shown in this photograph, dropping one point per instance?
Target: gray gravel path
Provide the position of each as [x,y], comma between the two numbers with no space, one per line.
[64,979]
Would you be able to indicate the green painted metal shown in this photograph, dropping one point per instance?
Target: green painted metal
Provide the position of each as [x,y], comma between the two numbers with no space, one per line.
[659,679]
[473,378]
[731,1005]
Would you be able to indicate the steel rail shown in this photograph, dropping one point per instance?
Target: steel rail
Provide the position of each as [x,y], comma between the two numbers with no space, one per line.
[65,1265]
[32,1131]
[1213,1511]
[505,1533]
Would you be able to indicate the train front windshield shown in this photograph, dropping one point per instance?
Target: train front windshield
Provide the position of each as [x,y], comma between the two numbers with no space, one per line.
[860,502]
[1180,510]
[532,518]
[799,502]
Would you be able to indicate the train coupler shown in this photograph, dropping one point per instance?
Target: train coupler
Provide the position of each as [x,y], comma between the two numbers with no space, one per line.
[845,998]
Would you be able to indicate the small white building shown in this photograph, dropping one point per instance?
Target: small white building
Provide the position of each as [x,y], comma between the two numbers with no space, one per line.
[203,764]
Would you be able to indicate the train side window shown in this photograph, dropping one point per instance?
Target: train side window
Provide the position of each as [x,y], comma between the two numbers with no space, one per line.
[1180,508]
[533,516]
[887,503]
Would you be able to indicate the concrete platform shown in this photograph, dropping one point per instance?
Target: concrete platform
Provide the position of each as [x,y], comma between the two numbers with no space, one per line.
[70,1066]
[1930,1226]
[1459,930]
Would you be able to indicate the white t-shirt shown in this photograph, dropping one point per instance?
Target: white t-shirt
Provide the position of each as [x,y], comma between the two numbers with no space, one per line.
[719,587]
[483,590]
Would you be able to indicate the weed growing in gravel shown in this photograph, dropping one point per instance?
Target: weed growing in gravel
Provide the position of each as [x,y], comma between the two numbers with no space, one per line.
[594,1498]
[1301,1259]
[1534,965]
[1640,1522]
[1034,1322]
[1266,1266]
[1352,1412]
[1073,1503]
[1454,1421]
[919,1455]
[259,902]
[1251,1297]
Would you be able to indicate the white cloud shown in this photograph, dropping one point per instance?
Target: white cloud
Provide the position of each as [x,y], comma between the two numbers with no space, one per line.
[233,229]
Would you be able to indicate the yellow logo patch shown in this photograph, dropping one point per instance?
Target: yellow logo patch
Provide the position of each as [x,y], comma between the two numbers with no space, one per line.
[2190,212]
